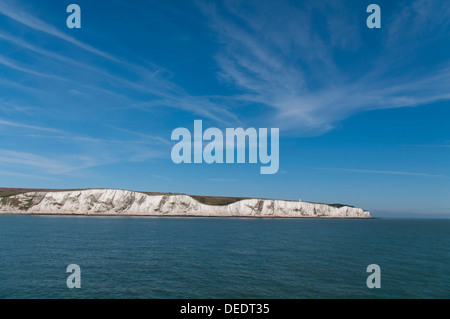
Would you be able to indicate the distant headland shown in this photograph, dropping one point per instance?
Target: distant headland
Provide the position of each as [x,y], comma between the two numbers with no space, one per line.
[117,202]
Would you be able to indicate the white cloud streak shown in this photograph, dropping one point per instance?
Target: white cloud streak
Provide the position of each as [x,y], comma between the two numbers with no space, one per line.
[277,59]
[31,127]
[369,171]
[44,164]
[31,21]
[159,90]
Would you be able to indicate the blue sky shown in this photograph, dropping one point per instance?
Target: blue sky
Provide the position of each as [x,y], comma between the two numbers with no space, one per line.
[363,113]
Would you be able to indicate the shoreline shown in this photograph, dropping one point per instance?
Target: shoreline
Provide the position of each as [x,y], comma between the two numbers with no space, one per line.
[116,202]
[182,216]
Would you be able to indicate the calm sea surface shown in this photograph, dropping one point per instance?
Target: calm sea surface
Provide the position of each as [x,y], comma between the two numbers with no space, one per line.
[125,257]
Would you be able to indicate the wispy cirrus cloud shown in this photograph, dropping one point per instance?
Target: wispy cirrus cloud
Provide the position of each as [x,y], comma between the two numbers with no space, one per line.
[25,18]
[43,164]
[282,58]
[150,85]
[27,126]
[93,153]
[84,152]
[384,172]
[27,176]
[225,180]
[142,135]
[419,18]
[278,58]
[13,65]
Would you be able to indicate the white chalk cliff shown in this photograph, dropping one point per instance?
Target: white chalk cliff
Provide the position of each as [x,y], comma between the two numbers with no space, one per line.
[121,202]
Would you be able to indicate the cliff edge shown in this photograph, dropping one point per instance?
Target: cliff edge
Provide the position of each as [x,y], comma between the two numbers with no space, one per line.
[122,202]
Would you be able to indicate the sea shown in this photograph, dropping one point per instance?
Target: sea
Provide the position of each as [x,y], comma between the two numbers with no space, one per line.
[171,257]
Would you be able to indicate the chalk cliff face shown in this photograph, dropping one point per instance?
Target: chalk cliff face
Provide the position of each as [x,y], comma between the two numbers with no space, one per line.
[120,202]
